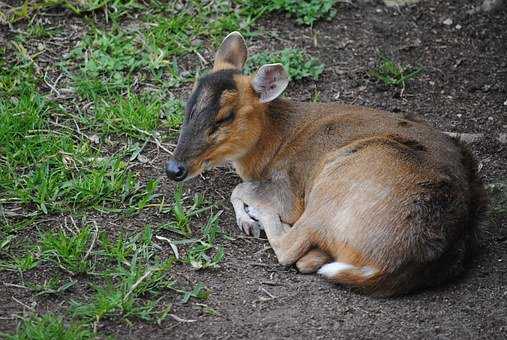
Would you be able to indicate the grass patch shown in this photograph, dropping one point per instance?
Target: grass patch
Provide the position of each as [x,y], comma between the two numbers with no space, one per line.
[392,74]
[69,252]
[49,327]
[306,12]
[114,8]
[297,63]
[128,114]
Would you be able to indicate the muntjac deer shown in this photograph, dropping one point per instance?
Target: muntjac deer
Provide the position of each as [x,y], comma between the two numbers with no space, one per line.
[366,198]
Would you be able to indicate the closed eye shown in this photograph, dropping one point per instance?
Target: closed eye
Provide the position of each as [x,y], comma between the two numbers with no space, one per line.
[227,119]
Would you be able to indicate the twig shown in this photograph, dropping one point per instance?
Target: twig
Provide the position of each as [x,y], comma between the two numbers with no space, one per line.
[93,241]
[52,87]
[177,318]
[268,293]
[173,246]
[138,282]
[7,284]
[204,61]
[67,227]
[23,304]
[74,223]
[155,140]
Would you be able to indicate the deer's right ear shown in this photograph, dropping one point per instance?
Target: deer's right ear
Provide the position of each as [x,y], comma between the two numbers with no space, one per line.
[232,53]
[270,81]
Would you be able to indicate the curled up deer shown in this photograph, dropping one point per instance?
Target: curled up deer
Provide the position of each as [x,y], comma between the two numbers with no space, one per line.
[374,200]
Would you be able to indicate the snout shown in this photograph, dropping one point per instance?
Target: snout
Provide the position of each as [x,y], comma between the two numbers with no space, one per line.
[176,170]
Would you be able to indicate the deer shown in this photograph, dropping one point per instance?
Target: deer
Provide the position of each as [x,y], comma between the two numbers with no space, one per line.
[379,202]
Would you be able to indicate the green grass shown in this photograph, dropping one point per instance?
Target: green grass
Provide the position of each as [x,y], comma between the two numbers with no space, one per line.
[306,12]
[69,252]
[391,73]
[114,8]
[50,327]
[297,63]
[75,152]
[498,199]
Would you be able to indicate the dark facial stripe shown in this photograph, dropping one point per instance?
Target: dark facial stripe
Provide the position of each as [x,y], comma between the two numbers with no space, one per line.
[211,86]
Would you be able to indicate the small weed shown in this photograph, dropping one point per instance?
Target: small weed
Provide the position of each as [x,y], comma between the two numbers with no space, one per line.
[182,214]
[49,327]
[138,276]
[38,31]
[26,263]
[20,263]
[68,252]
[306,12]
[498,197]
[198,255]
[393,74]
[198,292]
[297,63]
[53,286]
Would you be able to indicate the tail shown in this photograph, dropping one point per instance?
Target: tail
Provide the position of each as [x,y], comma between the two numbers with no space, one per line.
[364,278]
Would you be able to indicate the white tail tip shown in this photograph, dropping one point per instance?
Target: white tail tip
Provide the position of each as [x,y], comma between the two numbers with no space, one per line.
[332,269]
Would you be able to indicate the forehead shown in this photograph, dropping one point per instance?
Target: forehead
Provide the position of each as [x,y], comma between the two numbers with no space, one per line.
[208,92]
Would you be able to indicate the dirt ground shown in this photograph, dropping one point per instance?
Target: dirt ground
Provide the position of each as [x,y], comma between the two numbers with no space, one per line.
[463,89]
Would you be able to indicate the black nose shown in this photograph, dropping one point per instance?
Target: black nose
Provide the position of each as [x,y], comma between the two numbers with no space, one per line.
[175,170]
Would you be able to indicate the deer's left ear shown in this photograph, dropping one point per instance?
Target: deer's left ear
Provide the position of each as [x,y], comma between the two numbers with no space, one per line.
[270,81]
[232,53]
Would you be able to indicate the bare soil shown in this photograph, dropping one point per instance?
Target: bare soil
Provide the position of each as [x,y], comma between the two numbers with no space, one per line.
[463,89]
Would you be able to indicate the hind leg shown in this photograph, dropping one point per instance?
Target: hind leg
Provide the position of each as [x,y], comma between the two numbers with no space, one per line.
[312,261]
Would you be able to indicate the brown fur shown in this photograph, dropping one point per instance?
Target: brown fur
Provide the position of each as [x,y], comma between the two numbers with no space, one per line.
[359,186]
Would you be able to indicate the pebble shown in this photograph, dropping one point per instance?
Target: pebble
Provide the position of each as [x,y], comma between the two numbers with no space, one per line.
[502,138]
[447,22]
[458,27]
[142,159]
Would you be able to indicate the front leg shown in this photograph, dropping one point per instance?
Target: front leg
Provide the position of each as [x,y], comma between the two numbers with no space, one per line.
[264,207]
[245,219]
[251,198]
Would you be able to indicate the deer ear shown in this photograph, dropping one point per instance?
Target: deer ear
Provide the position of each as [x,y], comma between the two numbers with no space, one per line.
[270,81]
[232,53]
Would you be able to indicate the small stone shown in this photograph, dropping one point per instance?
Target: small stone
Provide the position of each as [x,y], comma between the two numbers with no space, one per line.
[502,138]
[458,27]
[432,83]
[196,42]
[447,22]
[94,139]
[459,115]
[505,103]
[491,119]
[399,3]
[142,159]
